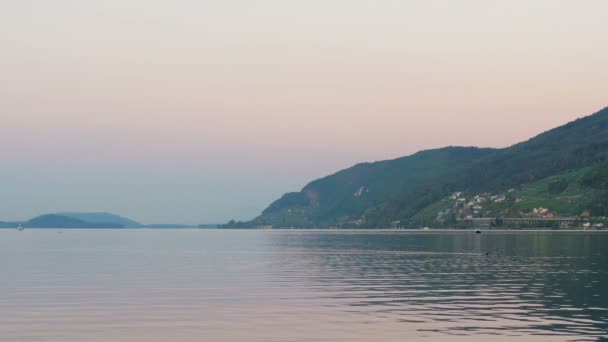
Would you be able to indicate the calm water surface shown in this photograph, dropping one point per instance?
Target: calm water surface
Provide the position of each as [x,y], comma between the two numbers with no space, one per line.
[205,285]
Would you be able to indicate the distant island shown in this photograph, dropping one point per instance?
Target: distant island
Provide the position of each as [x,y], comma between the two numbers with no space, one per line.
[558,179]
[92,220]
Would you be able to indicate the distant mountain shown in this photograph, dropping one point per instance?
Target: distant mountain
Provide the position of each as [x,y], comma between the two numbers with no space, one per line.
[9,224]
[92,220]
[61,221]
[103,218]
[399,190]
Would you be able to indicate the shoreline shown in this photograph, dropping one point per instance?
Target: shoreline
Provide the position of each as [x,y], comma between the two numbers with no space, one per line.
[367,230]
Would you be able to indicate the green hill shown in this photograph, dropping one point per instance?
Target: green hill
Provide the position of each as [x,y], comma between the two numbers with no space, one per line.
[61,221]
[103,218]
[413,189]
[564,193]
[91,220]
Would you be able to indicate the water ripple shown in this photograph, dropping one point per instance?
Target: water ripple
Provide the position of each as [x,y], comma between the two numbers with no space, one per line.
[302,286]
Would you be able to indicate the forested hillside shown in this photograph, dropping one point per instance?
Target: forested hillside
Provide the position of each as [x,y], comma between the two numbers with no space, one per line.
[400,190]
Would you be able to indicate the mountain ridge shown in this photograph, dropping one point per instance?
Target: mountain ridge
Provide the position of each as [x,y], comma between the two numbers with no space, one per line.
[97,220]
[375,194]
[102,217]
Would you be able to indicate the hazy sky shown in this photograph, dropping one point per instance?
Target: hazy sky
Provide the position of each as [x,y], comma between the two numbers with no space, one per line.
[203,111]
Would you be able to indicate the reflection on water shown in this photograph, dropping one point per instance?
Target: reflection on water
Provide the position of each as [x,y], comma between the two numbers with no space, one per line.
[195,285]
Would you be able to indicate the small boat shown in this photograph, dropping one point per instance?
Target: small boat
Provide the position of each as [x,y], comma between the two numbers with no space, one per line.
[20,227]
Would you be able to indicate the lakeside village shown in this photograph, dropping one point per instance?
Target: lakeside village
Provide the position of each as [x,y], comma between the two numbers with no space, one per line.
[507,210]
[502,210]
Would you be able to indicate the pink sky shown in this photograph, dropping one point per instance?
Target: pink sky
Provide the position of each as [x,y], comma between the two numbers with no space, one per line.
[224,105]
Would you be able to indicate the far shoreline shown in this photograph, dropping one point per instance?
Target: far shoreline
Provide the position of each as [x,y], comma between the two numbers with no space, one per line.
[362,230]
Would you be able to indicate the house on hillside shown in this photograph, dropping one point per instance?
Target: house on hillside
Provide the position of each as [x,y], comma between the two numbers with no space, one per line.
[499,199]
[549,214]
[542,212]
[456,195]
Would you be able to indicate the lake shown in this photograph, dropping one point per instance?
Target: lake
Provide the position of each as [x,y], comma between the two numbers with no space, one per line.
[237,285]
